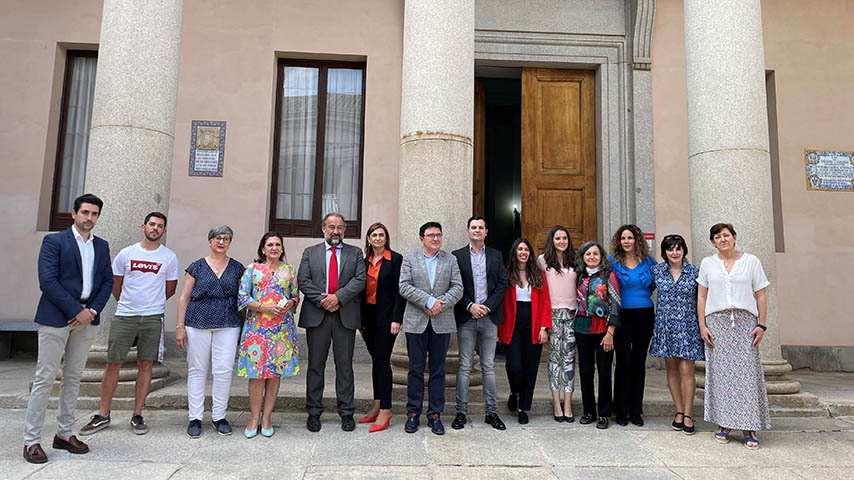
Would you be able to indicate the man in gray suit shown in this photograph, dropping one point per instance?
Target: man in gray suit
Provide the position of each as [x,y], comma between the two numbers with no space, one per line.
[431,284]
[331,276]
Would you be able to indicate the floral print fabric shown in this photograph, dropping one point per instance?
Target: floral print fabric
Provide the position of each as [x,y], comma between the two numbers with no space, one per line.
[562,351]
[735,395]
[268,343]
[676,333]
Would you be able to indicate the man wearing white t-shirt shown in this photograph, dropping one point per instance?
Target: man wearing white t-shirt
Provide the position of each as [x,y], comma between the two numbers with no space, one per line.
[145,275]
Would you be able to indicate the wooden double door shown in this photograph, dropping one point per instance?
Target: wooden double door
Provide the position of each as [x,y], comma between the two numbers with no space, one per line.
[558,154]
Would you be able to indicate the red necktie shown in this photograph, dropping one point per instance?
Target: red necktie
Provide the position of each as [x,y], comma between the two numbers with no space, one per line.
[332,278]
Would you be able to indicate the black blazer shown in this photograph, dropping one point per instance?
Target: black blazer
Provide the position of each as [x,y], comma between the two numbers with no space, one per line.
[390,305]
[496,284]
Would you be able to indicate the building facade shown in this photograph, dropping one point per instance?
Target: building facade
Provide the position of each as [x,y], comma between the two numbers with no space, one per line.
[588,114]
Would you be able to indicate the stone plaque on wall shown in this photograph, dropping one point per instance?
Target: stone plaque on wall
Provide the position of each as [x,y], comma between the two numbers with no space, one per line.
[830,171]
[207,148]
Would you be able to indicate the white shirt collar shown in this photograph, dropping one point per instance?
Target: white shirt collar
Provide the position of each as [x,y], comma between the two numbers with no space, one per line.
[78,236]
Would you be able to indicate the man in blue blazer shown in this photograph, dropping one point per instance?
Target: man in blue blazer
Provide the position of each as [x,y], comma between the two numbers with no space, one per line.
[76,279]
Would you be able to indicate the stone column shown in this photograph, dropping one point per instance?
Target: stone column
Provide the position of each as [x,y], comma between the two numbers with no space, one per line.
[729,160]
[132,133]
[436,128]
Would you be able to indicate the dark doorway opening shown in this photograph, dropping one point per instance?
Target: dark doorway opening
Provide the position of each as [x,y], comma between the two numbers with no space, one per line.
[503,154]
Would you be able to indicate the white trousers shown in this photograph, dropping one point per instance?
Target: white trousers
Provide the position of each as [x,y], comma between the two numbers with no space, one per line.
[213,348]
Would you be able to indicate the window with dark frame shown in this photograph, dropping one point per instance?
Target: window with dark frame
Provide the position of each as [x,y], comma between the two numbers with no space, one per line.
[318,146]
[78,92]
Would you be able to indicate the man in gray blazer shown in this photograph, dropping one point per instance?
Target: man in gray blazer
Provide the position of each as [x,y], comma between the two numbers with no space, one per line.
[331,276]
[431,284]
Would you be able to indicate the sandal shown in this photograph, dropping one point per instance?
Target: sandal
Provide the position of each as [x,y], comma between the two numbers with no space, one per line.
[723,435]
[750,441]
[685,428]
[678,425]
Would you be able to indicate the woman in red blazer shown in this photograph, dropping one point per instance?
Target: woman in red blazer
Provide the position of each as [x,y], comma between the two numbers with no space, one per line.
[527,320]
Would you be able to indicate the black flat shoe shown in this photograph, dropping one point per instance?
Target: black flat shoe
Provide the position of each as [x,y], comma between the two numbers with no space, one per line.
[587,419]
[523,418]
[678,425]
[685,428]
[602,423]
[636,420]
[622,421]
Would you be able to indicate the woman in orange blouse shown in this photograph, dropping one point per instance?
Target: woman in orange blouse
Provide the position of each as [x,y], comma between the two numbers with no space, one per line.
[382,314]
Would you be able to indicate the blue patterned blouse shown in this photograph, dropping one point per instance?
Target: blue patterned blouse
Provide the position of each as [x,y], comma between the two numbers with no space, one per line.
[676,333]
[213,303]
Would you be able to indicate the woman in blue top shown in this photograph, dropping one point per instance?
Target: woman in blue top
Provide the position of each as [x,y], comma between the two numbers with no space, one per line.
[633,265]
[209,324]
[677,334]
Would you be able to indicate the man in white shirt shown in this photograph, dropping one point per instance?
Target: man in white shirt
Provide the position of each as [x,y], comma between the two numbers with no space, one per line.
[145,275]
[75,281]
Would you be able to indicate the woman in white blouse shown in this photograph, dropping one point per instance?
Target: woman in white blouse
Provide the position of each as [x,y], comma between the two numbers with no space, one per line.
[731,308]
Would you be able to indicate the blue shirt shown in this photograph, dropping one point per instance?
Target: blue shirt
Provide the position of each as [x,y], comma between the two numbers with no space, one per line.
[431,273]
[636,284]
[213,302]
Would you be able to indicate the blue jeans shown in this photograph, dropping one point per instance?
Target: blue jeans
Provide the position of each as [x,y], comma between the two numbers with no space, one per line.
[485,333]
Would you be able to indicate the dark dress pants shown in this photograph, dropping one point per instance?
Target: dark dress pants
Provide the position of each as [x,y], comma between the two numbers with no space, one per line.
[419,346]
[343,339]
[631,344]
[523,358]
[379,342]
[592,356]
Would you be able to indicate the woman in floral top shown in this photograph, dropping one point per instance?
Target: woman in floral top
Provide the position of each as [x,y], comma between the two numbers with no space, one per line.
[268,344]
[676,336]
[596,319]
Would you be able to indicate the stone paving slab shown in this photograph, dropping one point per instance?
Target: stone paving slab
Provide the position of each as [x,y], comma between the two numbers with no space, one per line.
[543,449]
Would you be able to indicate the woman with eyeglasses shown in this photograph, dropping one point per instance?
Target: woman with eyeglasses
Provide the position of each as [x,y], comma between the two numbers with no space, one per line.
[209,324]
[676,336]
[731,307]
[631,262]
[269,343]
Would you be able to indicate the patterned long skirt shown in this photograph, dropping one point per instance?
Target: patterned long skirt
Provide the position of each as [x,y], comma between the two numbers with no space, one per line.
[562,351]
[735,385]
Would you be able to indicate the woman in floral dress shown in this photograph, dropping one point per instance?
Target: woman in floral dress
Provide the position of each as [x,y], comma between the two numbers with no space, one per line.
[268,344]
[676,336]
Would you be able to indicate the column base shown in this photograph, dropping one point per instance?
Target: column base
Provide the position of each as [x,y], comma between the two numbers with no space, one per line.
[782,391]
[90,382]
[400,364]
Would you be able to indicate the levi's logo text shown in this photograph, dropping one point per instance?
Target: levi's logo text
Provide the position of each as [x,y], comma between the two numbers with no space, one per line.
[141,266]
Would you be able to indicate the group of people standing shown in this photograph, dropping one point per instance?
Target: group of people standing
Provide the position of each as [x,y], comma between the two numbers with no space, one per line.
[582,301]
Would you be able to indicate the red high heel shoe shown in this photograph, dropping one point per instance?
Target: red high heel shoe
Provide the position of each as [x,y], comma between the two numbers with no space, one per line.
[369,418]
[378,428]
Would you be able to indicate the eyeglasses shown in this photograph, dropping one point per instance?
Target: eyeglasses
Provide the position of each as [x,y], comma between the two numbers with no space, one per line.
[433,236]
[222,239]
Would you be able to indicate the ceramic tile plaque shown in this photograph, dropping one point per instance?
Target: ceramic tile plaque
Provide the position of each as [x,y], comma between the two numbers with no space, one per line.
[207,148]
[830,171]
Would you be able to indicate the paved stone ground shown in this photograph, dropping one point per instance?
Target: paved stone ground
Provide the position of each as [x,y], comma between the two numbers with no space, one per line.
[796,448]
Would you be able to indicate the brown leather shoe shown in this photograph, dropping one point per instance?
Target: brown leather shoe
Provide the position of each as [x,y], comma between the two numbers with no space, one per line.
[72,444]
[34,453]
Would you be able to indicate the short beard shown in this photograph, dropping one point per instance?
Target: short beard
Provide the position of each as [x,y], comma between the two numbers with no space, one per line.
[333,241]
[153,239]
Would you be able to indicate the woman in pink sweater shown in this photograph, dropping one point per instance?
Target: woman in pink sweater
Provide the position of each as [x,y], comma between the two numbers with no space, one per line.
[557,262]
